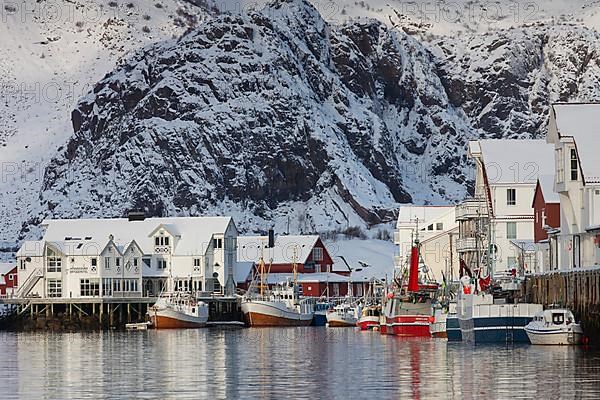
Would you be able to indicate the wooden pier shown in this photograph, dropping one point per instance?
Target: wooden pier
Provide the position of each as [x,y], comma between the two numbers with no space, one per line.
[98,313]
[578,291]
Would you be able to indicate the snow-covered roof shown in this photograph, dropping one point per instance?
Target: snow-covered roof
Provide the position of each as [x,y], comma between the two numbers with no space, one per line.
[379,254]
[582,122]
[193,234]
[516,160]
[5,268]
[249,248]
[241,272]
[409,213]
[31,248]
[547,186]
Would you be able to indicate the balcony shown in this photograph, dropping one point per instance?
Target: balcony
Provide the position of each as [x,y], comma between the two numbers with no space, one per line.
[471,208]
[466,244]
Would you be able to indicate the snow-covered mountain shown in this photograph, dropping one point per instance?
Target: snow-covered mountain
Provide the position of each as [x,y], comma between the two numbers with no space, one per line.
[278,115]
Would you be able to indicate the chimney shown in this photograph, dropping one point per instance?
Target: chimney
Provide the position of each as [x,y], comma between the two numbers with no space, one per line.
[271,238]
[136,215]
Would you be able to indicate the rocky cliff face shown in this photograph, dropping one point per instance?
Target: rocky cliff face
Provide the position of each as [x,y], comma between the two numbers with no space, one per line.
[278,116]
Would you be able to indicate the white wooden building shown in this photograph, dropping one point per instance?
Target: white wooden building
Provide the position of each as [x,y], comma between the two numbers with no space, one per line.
[574,132]
[437,232]
[123,258]
[500,214]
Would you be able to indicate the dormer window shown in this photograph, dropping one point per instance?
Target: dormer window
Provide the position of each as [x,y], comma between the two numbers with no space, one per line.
[161,241]
[574,169]
[218,243]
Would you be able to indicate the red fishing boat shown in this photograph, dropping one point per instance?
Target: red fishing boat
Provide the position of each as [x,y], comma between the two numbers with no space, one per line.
[407,310]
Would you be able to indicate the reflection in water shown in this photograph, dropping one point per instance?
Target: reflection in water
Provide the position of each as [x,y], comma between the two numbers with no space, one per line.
[285,363]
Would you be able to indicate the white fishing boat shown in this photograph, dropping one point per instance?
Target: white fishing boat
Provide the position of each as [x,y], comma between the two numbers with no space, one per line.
[178,310]
[343,315]
[554,327]
[277,306]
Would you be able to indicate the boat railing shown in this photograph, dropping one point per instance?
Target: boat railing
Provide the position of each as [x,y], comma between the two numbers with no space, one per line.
[506,310]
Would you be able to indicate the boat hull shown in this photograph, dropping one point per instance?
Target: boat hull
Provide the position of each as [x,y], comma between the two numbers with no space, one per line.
[495,329]
[169,319]
[259,313]
[407,325]
[341,323]
[319,320]
[368,323]
[453,329]
[554,337]
[438,328]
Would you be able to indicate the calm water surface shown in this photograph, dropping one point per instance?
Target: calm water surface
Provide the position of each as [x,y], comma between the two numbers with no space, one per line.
[316,363]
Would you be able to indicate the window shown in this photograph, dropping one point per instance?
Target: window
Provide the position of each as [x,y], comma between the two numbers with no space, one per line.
[107,263]
[430,227]
[22,265]
[54,264]
[317,254]
[162,264]
[54,288]
[511,197]
[161,241]
[439,226]
[135,261]
[116,285]
[106,287]
[196,262]
[130,285]
[560,167]
[89,287]
[574,169]
[94,262]
[218,243]
[216,286]
[511,262]
[10,277]
[511,230]
[118,261]
[147,261]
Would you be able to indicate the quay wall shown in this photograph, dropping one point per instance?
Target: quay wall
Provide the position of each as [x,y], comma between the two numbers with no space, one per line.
[71,315]
[579,291]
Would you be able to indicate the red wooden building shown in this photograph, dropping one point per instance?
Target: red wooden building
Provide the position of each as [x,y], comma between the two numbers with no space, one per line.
[8,279]
[546,208]
[313,261]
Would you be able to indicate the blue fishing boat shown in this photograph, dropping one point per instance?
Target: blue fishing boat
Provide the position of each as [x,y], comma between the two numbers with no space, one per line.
[320,317]
[485,319]
[452,326]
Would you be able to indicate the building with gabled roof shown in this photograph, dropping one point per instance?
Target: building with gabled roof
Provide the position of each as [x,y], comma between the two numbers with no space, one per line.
[129,258]
[501,212]
[574,132]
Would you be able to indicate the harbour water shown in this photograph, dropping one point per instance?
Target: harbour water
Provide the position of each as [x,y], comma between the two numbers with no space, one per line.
[295,363]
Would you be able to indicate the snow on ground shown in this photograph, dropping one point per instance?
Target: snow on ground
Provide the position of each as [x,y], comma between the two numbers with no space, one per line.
[379,254]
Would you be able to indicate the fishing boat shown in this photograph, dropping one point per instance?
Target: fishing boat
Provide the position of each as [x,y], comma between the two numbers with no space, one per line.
[281,305]
[493,316]
[178,310]
[554,327]
[369,319]
[408,306]
[320,317]
[438,327]
[452,326]
[343,315]
[371,311]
